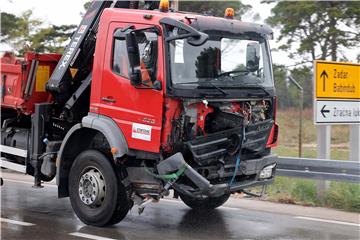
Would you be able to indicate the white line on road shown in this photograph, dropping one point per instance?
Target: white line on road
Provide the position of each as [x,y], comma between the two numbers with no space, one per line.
[328,221]
[179,202]
[90,236]
[31,183]
[26,224]
[169,200]
[229,208]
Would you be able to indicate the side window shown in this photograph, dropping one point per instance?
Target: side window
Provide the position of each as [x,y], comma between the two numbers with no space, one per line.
[120,62]
[147,42]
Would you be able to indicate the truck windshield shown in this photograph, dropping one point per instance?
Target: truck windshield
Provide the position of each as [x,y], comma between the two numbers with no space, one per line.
[221,61]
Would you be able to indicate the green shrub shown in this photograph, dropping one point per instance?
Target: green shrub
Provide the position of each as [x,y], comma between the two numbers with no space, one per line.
[344,196]
[305,191]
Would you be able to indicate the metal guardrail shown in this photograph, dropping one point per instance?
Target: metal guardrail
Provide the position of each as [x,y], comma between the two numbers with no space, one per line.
[311,168]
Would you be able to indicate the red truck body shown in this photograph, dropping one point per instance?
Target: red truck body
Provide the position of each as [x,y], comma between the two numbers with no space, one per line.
[131,106]
[15,78]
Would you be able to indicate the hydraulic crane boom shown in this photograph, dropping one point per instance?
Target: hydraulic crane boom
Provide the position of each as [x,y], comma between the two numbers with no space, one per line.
[78,54]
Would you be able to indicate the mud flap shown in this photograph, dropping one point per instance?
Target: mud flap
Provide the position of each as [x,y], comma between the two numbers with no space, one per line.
[176,161]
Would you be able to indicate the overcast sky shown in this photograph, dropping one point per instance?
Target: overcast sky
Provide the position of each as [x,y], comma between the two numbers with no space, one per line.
[68,12]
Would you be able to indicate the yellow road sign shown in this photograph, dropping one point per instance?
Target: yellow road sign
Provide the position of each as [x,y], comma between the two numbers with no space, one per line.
[337,80]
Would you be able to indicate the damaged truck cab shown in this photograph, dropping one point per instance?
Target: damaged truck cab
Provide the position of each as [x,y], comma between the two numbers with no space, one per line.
[168,100]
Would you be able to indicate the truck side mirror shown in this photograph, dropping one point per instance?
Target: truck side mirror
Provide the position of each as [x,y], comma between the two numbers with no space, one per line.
[134,58]
[252,56]
[193,36]
[198,40]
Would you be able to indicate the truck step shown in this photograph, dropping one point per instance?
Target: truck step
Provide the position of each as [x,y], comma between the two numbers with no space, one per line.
[14,151]
[13,166]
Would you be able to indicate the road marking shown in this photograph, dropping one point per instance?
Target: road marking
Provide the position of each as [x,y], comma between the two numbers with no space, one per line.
[177,201]
[30,183]
[90,236]
[169,200]
[229,208]
[328,221]
[26,224]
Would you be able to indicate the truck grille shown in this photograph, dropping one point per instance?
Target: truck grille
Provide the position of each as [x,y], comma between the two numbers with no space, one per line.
[211,148]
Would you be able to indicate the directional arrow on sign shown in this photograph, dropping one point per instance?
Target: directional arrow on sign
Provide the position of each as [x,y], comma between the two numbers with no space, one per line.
[324,76]
[323,111]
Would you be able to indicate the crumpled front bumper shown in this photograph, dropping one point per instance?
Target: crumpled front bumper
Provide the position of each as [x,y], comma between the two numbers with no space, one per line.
[253,167]
[250,168]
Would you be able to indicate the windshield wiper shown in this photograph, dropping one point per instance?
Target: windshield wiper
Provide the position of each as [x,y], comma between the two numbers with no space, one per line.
[234,71]
[214,86]
[184,83]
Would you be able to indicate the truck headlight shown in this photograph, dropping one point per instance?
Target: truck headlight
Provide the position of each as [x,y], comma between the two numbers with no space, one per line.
[267,171]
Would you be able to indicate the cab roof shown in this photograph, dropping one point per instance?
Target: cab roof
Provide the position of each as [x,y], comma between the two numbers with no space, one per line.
[200,22]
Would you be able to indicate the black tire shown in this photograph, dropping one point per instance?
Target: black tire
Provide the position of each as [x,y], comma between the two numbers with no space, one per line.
[110,207]
[205,203]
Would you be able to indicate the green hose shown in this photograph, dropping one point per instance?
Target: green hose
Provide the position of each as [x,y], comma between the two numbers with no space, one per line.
[168,177]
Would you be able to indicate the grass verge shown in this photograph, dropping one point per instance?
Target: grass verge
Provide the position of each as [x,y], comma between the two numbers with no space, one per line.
[341,195]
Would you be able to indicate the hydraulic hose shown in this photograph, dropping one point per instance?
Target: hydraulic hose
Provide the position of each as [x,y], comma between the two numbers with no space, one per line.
[238,159]
[236,169]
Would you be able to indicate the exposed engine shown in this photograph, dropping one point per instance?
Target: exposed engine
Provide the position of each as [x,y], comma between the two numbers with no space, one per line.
[212,134]
[202,118]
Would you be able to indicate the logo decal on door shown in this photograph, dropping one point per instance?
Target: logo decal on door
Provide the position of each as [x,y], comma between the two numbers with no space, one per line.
[141,131]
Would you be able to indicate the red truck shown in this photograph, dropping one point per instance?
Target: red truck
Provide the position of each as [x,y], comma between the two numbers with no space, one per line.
[143,101]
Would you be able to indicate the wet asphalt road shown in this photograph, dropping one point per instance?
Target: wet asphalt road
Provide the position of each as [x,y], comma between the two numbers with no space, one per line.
[53,218]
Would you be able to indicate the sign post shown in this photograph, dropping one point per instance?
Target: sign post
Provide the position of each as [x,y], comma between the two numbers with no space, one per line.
[336,101]
[323,152]
[355,143]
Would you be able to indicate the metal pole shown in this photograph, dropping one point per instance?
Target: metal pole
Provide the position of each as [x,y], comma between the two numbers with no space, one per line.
[355,143]
[323,152]
[300,121]
[301,104]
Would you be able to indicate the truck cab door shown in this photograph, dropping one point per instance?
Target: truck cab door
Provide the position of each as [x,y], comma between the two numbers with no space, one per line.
[137,111]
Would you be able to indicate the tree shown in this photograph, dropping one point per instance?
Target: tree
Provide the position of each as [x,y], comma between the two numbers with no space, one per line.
[8,24]
[287,94]
[51,39]
[303,75]
[321,28]
[26,33]
[17,31]
[283,101]
[216,8]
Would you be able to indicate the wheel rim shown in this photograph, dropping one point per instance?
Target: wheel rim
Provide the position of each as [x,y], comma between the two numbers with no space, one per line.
[92,187]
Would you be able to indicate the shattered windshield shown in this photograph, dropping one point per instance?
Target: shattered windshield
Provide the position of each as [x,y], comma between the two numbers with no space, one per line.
[221,61]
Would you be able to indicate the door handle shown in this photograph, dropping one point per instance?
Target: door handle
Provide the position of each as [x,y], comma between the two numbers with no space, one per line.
[108,99]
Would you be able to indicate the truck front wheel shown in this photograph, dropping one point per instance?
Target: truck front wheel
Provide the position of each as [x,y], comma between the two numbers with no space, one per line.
[96,193]
[205,203]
